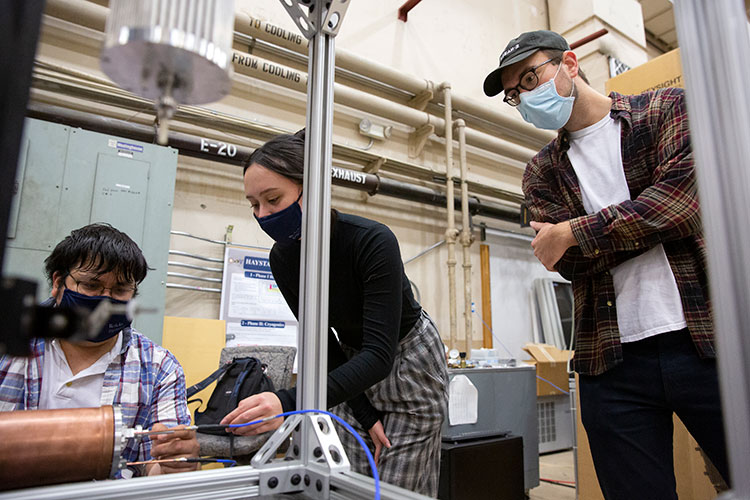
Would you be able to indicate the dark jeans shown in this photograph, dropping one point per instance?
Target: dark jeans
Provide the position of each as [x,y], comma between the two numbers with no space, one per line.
[627,413]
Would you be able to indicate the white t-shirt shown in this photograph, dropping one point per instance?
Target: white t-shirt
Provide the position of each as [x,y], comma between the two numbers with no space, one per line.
[647,298]
[62,389]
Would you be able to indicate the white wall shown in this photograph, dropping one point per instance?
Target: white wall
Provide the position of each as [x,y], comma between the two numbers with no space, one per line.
[513,269]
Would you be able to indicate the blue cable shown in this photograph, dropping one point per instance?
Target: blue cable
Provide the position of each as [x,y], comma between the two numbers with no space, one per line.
[348,427]
[231,463]
[553,385]
[493,333]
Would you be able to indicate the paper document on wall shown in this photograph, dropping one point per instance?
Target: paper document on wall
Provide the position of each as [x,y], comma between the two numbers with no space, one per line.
[252,304]
[463,401]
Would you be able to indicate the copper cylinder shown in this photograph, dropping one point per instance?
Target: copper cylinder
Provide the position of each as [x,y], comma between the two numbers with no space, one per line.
[39,447]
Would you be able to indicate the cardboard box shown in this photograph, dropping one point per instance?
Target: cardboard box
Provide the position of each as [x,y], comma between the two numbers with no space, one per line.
[697,478]
[659,72]
[552,366]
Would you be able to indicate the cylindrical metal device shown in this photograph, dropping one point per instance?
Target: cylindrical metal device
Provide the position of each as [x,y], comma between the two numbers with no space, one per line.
[54,446]
[171,51]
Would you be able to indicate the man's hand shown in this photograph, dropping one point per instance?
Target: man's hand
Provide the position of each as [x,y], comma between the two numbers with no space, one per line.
[263,405]
[551,242]
[377,433]
[175,445]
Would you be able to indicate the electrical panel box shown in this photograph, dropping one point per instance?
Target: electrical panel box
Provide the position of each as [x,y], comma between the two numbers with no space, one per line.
[68,178]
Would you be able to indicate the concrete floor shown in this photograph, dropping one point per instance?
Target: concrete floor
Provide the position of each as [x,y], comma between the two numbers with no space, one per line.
[557,466]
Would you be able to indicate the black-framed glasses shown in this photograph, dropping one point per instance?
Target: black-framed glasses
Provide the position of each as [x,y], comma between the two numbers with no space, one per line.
[93,287]
[529,81]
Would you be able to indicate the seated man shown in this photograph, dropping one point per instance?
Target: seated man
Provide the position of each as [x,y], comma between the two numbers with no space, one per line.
[117,367]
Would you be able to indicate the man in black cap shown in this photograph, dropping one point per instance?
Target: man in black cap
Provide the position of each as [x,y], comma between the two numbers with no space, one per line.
[613,200]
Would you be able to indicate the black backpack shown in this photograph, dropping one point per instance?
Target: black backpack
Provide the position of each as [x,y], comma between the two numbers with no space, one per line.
[238,379]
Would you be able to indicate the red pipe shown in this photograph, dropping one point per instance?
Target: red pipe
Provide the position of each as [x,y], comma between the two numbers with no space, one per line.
[403,11]
[587,39]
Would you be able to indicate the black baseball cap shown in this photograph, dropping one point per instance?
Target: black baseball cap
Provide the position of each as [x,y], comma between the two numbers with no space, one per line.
[519,49]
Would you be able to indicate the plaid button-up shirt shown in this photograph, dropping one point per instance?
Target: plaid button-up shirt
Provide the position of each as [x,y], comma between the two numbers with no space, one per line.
[145,380]
[663,208]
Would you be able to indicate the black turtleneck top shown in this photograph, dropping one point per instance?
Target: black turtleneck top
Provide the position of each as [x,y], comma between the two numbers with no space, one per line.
[371,307]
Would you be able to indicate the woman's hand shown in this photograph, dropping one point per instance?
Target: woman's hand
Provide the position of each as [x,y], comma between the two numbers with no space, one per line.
[258,406]
[377,434]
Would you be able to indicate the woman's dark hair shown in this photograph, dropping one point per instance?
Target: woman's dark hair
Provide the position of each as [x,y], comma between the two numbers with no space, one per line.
[557,55]
[284,154]
[100,248]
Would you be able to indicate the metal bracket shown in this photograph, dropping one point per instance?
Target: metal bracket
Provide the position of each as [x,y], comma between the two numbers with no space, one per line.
[324,450]
[421,100]
[307,22]
[335,15]
[418,139]
[374,166]
[299,16]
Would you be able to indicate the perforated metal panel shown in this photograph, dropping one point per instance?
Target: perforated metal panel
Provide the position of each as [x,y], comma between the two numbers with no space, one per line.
[555,423]
[547,427]
[68,178]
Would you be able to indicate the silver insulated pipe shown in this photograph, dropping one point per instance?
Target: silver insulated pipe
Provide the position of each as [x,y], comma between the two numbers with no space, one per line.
[171,51]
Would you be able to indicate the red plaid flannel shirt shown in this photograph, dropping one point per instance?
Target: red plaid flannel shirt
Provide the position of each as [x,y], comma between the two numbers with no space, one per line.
[658,161]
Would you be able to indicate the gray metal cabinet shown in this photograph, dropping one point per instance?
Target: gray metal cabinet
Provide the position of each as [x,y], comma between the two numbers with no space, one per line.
[507,403]
[69,177]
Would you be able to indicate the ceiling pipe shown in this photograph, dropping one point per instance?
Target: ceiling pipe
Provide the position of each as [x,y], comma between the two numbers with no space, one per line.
[403,11]
[285,76]
[90,14]
[525,133]
[94,16]
[451,233]
[589,38]
[466,238]
[64,80]
[205,148]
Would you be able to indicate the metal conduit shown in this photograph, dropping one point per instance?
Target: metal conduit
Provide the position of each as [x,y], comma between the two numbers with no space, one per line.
[198,147]
[195,288]
[194,256]
[451,233]
[188,235]
[198,268]
[94,16]
[193,277]
[424,252]
[466,238]
[209,240]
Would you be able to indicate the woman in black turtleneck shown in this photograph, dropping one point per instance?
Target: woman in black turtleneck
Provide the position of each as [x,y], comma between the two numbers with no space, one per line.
[387,374]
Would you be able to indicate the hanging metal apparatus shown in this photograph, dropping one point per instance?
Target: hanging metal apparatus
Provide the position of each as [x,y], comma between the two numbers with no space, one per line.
[315,466]
[172,52]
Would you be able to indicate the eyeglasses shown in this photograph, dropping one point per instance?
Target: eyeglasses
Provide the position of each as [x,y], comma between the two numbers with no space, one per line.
[529,81]
[91,287]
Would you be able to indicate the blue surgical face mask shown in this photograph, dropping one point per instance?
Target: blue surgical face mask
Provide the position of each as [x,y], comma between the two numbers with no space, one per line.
[113,326]
[284,226]
[544,108]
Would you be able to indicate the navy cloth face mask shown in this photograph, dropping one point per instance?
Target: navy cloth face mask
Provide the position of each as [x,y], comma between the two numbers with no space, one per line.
[284,226]
[116,322]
